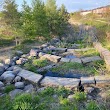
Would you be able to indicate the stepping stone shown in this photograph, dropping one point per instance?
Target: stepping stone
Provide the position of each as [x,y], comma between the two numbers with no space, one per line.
[30,76]
[57,81]
[76,60]
[65,60]
[87,80]
[90,59]
[102,79]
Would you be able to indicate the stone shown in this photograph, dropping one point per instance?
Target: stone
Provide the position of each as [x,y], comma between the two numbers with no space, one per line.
[15,92]
[15,58]
[8,61]
[76,60]
[89,89]
[29,88]
[61,49]
[30,76]
[8,76]
[1,84]
[2,70]
[71,50]
[46,68]
[16,70]
[24,55]
[10,68]
[90,59]
[71,97]
[87,80]
[41,54]
[57,81]
[41,89]
[65,60]
[104,79]
[54,58]
[19,53]
[17,79]
[46,56]
[6,66]
[33,53]
[21,61]
[19,85]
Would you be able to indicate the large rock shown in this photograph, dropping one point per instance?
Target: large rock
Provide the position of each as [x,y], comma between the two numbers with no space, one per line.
[2,70]
[15,92]
[41,54]
[65,60]
[19,53]
[29,88]
[8,76]
[33,52]
[19,85]
[21,61]
[54,58]
[8,61]
[76,60]
[61,49]
[16,70]
[57,81]
[1,84]
[17,79]
[87,80]
[90,59]
[30,76]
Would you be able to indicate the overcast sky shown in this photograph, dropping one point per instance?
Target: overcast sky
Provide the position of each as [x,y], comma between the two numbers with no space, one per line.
[75,5]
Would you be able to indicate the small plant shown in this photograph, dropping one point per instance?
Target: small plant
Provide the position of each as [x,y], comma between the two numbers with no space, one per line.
[40,62]
[30,67]
[80,96]
[92,106]
[9,88]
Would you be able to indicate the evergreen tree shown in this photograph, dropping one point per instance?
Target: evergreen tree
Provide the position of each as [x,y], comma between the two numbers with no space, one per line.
[40,19]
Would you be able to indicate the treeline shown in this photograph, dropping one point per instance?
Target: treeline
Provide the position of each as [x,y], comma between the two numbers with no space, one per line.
[39,19]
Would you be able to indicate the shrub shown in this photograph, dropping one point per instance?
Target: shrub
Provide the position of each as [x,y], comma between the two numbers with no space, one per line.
[79,96]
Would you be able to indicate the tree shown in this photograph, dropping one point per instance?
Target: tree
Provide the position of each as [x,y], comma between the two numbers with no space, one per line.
[12,16]
[40,19]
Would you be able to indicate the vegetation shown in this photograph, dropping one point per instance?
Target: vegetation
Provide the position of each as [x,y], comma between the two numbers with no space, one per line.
[9,88]
[50,99]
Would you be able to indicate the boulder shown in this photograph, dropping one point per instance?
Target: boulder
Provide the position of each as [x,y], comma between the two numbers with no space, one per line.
[19,85]
[29,88]
[2,70]
[41,54]
[17,79]
[33,52]
[21,61]
[41,89]
[1,84]
[8,76]
[65,60]
[8,61]
[16,70]
[15,58]
[76,60]
[90,59]
[19,53]
[10,68]
[89,89]
[57,81]
[15,92]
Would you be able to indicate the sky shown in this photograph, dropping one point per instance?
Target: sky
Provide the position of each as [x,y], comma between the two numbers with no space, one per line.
[75,5]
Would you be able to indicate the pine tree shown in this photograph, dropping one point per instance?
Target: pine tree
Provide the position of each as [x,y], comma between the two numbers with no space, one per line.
[40,19]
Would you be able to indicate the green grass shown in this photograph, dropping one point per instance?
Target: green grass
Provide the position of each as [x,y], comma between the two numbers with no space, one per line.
[66,67]
[9,88]
[88,53]
[39,62]
[45,101]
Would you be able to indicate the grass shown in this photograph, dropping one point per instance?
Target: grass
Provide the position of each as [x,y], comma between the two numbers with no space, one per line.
[45,101]
[39,62]
[88,53]
[66,67]
[9,88]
